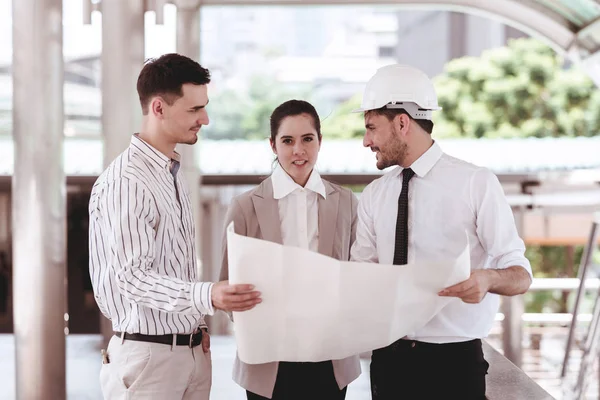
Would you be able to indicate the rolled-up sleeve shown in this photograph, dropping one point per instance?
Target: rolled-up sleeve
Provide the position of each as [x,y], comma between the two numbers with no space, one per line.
[495,221]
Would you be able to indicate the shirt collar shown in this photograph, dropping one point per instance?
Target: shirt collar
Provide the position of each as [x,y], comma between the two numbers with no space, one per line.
[156,158]
[283,184]
[425,163]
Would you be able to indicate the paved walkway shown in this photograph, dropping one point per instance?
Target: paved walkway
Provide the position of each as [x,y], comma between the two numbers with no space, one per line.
[83,367]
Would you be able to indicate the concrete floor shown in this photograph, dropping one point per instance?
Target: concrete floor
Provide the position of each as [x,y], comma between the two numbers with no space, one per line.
[83,367]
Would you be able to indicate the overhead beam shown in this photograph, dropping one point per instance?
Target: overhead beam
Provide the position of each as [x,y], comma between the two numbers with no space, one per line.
[588,28]
[526,15]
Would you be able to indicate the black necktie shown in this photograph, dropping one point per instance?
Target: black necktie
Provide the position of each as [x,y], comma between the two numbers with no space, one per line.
[401,245]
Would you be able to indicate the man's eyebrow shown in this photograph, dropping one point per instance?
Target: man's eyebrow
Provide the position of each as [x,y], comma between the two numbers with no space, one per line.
[196,108]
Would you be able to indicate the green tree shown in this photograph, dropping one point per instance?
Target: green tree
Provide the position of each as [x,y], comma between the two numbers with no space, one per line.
[342,123]
[243,112]
[522,90]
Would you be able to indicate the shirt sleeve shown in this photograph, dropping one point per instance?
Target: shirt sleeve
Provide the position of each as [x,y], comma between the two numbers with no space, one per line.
[130,213]
[495,221]
[96,257]
[354,210]
[364,248]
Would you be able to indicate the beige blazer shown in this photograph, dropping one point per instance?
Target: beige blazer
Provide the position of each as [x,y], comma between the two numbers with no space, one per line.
[256,214]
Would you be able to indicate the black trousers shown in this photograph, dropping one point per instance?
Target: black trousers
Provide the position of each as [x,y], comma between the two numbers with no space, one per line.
[410,369]
[304,381]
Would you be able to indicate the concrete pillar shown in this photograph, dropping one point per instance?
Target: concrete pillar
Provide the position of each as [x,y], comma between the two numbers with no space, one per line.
[214,212]
[483,33]
[457,35]
[39,202]
[122,60]
[513,308]
[188,28]
[188,44]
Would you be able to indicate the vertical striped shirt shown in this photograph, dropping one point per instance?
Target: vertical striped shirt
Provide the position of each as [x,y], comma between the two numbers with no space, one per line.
[142,253]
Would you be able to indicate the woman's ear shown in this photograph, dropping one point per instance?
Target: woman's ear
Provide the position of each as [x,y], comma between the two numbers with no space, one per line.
[273,147]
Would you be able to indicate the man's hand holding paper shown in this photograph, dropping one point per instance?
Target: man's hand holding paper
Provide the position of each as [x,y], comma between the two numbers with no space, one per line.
[311,302]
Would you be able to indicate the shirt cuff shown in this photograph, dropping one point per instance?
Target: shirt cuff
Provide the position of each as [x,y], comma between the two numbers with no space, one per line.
[202,297]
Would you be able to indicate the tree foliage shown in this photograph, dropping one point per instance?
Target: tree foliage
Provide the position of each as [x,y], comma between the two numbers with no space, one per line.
[243,111]
[522,90]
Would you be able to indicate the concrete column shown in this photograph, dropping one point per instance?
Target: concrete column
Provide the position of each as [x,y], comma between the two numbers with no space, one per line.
[188,44]
[483,33]
[39,202]
[513,308]
[214,211]
[188,28]
[122,60]
[457,35]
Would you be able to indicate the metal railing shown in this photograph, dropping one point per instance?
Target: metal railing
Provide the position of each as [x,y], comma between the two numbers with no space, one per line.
[590,349]
[513,316]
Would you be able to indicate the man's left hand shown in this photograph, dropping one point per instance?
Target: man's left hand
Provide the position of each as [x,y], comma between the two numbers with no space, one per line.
[205,341]
[473,290]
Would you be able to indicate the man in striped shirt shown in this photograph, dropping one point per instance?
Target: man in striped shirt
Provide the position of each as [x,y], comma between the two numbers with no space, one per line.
[142,254]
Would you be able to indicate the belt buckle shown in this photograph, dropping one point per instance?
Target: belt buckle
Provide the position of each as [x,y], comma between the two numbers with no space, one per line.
[194,339]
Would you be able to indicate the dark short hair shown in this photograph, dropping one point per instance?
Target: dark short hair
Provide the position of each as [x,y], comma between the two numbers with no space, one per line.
[391,113]
[164,76]
[291,108]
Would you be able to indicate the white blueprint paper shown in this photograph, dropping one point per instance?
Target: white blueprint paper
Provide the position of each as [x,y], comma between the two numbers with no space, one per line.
[317,308]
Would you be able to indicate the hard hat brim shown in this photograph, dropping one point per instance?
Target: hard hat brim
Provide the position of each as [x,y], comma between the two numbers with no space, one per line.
[357,110]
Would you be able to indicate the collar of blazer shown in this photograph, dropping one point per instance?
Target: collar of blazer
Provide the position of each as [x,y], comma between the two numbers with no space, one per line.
[267,213]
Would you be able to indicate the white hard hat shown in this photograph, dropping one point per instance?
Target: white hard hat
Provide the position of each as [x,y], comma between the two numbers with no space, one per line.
[400,86]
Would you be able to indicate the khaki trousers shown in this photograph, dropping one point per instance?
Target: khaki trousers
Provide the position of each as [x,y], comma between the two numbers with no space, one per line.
[153,371]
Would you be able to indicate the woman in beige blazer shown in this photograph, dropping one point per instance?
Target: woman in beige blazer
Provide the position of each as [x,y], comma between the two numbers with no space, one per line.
[295,207]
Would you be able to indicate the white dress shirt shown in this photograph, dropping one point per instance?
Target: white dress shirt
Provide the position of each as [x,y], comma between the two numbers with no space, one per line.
[447,198]
[298,208]
[142,253]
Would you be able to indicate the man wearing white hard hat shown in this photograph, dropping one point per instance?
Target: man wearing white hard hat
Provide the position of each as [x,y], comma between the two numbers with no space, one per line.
[421,210]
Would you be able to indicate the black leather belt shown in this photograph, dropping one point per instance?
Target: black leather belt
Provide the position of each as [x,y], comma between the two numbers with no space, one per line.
[191,340]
